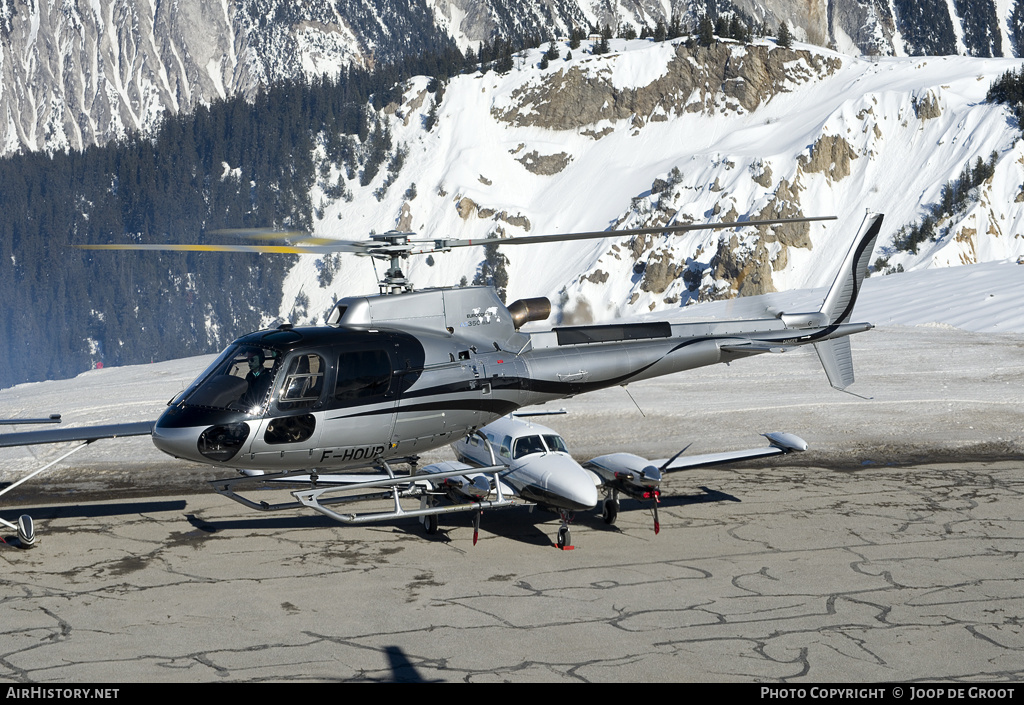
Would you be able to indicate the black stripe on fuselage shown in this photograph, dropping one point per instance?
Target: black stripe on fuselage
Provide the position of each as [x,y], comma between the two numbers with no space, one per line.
[494,405]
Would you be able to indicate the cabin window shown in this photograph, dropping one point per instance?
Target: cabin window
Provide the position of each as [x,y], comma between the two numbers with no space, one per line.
[506,444]
[290,429]
[303,382]
[362,374]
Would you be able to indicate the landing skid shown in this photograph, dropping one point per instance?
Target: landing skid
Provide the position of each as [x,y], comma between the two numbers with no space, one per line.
[314,490]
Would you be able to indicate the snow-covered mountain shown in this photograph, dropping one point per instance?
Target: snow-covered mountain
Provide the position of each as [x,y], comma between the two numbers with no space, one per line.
[78,73]
[654,133]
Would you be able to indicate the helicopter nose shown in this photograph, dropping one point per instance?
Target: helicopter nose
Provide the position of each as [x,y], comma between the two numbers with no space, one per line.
[177,442]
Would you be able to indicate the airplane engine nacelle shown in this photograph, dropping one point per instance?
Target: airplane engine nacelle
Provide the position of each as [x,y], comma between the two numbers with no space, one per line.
[479,488]
[525,310]
[650,476]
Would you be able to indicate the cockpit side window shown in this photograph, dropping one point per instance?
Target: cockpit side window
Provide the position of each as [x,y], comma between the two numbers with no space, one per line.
[506,444]
[362,374]
[302,382]
[555,444]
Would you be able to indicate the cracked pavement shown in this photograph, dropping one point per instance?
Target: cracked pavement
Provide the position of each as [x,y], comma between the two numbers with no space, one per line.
[786,574]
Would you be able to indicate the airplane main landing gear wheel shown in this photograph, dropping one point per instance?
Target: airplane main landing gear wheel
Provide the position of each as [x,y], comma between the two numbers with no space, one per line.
[610,511]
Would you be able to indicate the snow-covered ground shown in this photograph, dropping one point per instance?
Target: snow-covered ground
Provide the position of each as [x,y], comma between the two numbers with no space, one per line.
[944,370]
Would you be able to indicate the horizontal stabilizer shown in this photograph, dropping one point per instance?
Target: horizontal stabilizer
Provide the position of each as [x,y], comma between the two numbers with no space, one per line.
[755,347]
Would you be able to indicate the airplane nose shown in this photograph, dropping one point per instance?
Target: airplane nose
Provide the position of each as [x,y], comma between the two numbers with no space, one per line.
[565,479]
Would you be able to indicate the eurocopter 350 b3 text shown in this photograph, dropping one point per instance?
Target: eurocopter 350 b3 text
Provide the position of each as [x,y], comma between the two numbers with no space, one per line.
[393,375]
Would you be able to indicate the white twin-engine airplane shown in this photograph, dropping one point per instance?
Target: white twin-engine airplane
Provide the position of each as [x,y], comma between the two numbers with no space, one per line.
[391,376]
[515,461]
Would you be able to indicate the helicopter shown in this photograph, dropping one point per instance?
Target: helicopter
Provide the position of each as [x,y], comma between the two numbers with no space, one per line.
[395,374]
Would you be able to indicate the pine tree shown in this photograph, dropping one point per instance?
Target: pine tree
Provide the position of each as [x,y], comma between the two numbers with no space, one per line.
[785,39]
[705,32]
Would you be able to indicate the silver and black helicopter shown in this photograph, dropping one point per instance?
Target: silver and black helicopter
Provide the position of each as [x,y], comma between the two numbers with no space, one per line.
[392,375]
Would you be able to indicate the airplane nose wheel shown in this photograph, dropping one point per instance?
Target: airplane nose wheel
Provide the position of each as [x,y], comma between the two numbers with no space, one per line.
[564,539]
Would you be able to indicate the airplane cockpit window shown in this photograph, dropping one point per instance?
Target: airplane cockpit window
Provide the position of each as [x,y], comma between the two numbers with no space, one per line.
[240,380]
[362,374]
[505,450]
[527,445]
[555,444]
[303,381]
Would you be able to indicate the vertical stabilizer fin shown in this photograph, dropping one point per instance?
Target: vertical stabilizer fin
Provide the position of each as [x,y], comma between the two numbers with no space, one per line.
[842,297]
[837,360]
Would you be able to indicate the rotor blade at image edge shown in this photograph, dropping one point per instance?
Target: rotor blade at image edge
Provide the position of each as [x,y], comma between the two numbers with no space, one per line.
[81,433]
[336,246]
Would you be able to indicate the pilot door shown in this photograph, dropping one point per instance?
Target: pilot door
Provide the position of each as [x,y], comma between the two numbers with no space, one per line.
[290,431]
[360,416]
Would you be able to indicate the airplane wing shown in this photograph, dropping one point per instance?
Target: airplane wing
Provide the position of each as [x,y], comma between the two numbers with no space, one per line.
[81,433]
[780,444]
[621,465]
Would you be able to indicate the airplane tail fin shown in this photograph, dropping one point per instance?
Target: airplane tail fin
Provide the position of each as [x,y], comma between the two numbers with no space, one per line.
[837,309]
[835,353]
[842,297]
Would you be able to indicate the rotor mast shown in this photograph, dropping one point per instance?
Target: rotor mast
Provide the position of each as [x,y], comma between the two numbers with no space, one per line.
[395,248]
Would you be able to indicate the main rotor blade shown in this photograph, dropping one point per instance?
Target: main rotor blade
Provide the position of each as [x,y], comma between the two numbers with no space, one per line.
[402,245]
[535,239]
[336,246]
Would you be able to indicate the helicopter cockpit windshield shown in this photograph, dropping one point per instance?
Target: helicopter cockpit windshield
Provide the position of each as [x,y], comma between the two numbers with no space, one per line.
[239,380]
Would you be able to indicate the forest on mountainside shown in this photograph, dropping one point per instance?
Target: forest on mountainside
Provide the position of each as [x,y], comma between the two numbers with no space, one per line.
[233,164]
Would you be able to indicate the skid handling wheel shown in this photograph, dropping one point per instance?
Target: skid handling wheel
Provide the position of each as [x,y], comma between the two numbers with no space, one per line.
[610,512]
[430,523]
[26,531]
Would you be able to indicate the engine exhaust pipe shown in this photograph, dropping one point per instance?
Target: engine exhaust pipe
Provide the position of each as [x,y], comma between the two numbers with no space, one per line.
[525,310]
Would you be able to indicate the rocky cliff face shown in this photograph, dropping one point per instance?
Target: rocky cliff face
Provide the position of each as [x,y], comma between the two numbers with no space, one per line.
[75,74]
[696,80]
[78,73]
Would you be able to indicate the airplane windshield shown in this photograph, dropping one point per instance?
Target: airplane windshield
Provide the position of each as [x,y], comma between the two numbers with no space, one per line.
[527,445]
[240,380]
[555,444]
